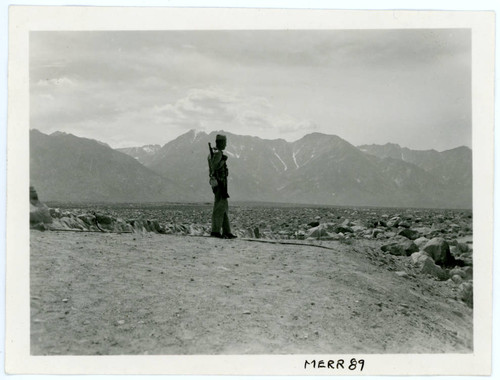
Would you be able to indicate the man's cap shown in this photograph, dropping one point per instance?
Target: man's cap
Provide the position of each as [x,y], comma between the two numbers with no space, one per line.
[220,137]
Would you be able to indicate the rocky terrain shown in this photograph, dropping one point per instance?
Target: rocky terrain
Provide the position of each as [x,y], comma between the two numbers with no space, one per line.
[147,279]
[434,243]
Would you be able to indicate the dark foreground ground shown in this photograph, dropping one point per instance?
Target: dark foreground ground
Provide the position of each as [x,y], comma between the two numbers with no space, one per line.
[147,293]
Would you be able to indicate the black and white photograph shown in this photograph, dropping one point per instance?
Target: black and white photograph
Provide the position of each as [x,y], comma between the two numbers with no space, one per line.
[253,191]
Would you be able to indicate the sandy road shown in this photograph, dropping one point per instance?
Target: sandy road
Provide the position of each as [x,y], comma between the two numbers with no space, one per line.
[95,294]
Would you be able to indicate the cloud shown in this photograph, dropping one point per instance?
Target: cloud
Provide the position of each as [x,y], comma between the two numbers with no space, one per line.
[215,108]
[145,86]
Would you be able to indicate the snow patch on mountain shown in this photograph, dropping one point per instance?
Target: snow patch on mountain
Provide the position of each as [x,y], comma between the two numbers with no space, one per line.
[279,158]
[150,149]
[295,158]
[196,133]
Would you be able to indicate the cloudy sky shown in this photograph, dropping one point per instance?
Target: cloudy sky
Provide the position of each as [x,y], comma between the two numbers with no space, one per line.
[411,87]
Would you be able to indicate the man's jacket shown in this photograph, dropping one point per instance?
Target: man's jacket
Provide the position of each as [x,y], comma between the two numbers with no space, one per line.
[218,170]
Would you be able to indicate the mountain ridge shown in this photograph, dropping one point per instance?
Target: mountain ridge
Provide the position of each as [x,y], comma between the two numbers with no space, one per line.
[64,167]
[315,169]
[293,166]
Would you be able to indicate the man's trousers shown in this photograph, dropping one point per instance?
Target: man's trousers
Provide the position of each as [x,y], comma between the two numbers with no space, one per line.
[220,217]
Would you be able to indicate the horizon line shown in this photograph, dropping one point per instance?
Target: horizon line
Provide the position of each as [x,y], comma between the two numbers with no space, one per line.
[196,132]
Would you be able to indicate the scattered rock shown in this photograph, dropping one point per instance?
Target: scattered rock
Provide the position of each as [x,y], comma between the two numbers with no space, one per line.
[394,248]
[416,257]
[421,242]
[358,228]
[427,266]
[404,224]
[55,212]
[346,223]
[300,235]
[400,247]
[410,234]
[382,223]
[39,212]
[393,222]
[103,219]
[343,229]
[458,272]
[456,279]
[317,232]
[409,246]
[465,293]
[468,272]
[439,250]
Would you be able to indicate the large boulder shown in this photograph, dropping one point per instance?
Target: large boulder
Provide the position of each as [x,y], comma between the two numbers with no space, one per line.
[425,265]
[145,225]
[423,231]
[39,212]
[463,247]
[404,224]
[409,234]
[401,247]
[317,232]
[394,221]
[416,257]
[104,219]
[394,248]
[462,254]
[377,232]
[321,232]
[357,228]
[409,246]
[342,229]
[439,250]
[421,242]
[465,293]
[70,223]
[461,272]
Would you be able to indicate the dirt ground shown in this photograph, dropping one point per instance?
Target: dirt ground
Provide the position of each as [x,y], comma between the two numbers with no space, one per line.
[107,294]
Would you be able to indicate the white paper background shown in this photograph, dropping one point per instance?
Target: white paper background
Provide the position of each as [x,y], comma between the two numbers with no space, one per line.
[480,118]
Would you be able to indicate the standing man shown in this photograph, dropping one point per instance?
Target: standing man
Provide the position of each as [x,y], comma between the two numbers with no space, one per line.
[218,180]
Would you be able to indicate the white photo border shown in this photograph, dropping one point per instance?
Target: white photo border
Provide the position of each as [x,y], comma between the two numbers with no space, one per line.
[23,19]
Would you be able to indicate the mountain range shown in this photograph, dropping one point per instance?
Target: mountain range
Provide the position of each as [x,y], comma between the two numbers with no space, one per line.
[64,167]
[316,169]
